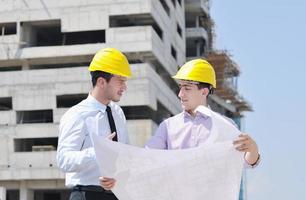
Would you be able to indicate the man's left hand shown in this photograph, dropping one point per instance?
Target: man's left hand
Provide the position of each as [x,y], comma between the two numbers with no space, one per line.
[246,144]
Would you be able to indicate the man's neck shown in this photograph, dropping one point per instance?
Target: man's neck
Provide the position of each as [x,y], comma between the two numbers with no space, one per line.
[193,111]
[99,97]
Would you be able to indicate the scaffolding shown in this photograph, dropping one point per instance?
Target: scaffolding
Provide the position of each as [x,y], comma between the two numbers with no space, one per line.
[227,72]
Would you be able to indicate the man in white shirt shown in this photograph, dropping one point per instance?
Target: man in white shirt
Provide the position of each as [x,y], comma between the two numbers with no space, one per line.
[109,71]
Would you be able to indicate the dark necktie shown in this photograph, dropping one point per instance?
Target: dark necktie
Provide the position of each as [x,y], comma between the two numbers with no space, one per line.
[111,122]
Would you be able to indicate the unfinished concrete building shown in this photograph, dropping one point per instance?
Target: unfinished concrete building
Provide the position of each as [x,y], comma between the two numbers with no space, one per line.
[45,49]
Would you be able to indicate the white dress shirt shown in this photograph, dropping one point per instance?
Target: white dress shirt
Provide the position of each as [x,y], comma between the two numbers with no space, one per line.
[75,153]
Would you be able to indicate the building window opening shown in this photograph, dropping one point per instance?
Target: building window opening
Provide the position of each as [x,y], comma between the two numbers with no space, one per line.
[35,144]
[8,28]
[36,116]
[180,2]
[48,36]
[51,194]
[179,29]
[11,68]
[6,103]
[165,6]
[12,195]
[173,52]
[48,33]
[69,100]
[196,48]
[191,21]
[174,3]
[84,37]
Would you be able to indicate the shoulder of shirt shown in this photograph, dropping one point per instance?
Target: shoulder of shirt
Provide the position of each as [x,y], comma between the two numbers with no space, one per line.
[224,117]
[229,120]
[115,107]
[78,110]
[175,118]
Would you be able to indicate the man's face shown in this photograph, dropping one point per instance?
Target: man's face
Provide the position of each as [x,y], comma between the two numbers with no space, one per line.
[115,88]
[191,96]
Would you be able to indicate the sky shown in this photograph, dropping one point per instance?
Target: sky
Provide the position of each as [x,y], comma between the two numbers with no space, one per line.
[268,41]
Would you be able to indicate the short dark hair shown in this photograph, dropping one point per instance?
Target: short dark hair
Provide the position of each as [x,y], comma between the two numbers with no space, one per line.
[97,74]
[206,85]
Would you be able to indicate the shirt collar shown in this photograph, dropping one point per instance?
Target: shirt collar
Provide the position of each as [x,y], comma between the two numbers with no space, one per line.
[200,110]
[96,103]
[203,110]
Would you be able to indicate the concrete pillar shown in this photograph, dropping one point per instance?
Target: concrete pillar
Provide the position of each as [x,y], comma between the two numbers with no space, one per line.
[198,47]
[2,193]
[27,35]
[25,65]
[197,24]
[25,193]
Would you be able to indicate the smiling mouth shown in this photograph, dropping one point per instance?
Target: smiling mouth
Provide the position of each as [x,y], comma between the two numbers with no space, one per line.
[183,101]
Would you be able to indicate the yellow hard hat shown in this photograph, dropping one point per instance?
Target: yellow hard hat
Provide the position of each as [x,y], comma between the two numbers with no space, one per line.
[198,70]
[112,61]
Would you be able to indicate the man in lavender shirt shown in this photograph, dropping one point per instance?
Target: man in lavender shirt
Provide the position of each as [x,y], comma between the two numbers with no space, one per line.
[191,127]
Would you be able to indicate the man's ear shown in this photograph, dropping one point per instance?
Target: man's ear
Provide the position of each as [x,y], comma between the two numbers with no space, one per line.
[205,91]
[101,82]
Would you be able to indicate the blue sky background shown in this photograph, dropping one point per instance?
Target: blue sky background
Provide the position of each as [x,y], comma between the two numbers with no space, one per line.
[268,41]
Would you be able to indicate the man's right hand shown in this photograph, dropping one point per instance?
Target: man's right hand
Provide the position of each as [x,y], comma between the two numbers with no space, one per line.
[111,136]
[107,183]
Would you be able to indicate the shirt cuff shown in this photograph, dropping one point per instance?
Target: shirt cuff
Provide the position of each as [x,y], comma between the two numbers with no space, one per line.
[254,164]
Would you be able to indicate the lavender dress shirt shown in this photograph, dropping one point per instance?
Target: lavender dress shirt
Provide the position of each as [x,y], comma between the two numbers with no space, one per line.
[185,131]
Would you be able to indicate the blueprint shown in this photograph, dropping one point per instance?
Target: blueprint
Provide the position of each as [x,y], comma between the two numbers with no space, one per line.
[211,171]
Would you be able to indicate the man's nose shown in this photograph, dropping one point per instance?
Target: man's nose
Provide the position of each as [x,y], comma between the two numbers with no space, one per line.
[181,93]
